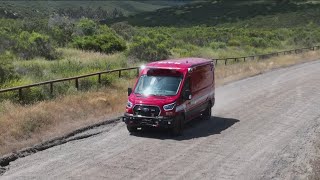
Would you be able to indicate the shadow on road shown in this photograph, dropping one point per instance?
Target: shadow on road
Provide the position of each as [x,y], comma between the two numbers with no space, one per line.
[194,129]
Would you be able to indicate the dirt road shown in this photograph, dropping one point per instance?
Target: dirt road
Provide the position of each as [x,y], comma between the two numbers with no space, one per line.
[263,128]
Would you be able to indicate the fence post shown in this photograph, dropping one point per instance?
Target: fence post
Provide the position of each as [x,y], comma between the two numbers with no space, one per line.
[244,59]
[119,73]
[51,88]
[99,78]
[225,62]
[77,83]
[137,71]
[216,62]
[20,94]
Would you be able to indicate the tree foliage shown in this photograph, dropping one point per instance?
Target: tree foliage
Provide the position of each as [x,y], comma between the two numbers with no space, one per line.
[31,45]
[152,46]
[104,43]
[7,71]
[125,30]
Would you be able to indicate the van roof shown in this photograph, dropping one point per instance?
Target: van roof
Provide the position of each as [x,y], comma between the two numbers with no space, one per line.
[178,63]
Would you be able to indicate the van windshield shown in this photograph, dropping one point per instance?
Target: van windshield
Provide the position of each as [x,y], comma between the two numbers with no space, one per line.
[158,85]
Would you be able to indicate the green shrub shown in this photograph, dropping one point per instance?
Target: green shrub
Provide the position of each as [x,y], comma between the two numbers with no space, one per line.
[7,71]
[61,29]
[234,42]
[151,47]
[86,27]
[125,30]
[218,45]
[105,43]
[31,45]
[259,42]
[184,50]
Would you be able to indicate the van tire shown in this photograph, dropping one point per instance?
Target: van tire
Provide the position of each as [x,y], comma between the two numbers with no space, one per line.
[178,126]
[132,129]
[207,113]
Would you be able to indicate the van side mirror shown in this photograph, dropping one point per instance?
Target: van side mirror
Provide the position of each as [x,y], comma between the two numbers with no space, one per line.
[129,91]
[187,95]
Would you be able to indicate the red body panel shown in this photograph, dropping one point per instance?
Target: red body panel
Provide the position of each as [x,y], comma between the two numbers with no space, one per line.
[201,74]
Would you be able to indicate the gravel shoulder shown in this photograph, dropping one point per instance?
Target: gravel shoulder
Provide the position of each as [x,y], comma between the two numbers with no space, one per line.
[263,127]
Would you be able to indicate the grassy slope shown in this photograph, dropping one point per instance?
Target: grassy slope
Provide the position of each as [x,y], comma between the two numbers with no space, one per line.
[43,8]
[212,13]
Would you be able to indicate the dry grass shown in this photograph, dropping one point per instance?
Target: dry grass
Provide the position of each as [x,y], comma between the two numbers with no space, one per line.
[229,73]
[21,126]
[89,57]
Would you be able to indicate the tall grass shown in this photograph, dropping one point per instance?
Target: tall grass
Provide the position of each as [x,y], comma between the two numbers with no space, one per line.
[24,125]
[73,63]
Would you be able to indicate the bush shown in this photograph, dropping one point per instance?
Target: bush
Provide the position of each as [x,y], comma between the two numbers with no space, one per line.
[125,30]
[86,27]
[6,68]
[259,42]
[61,29]
[6,42]
[104,43]
[30,45]
[153,46]
[218,45]
[234,42]
[184,50]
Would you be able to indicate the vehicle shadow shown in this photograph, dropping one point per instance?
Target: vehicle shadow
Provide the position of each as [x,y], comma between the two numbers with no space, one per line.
[194,129]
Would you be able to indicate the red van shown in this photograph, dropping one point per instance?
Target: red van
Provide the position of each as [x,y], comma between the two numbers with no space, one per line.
[170,93]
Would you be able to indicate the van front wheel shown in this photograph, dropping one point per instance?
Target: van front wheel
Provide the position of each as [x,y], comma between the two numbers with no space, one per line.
[132,129]
[178,126]
[207,112]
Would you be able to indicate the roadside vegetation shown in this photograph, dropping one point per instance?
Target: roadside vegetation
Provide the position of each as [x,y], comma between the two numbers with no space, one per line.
[25,125]
[64,43]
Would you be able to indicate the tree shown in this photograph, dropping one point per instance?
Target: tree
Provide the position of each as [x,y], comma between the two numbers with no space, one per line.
[86,27]
[31,45]
[104,43]
[151,47]
[124,29]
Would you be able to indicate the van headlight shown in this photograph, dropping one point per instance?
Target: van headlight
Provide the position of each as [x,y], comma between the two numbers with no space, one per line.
[129,104]
[169,107]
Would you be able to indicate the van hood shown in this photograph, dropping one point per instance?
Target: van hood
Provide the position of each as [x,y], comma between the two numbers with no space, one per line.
[151,100]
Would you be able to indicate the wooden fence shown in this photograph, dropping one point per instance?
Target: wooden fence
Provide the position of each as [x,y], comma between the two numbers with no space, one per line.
[51,83]
[265,56]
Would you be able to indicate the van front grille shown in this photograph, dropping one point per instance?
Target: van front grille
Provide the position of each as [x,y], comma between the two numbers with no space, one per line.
[149,111]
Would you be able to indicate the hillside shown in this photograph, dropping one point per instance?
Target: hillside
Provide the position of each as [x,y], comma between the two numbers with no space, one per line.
[240,13]
[19,9]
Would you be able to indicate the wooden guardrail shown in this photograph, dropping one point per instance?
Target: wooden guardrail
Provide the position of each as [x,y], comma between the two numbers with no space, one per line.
[265,56]
[75,79]
[51,83]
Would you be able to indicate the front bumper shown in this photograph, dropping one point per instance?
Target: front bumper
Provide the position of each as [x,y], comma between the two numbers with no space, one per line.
[139,121]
